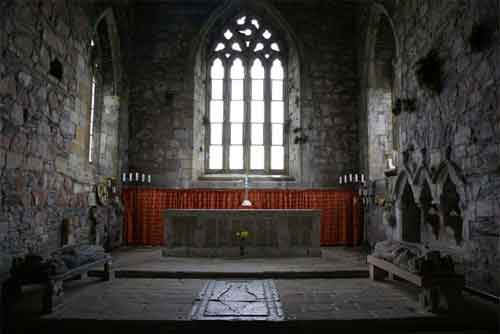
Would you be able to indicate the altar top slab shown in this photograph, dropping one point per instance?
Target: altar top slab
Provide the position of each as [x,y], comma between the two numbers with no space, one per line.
[175,212]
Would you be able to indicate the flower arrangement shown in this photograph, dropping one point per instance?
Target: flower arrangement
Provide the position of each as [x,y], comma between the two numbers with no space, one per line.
[242,236]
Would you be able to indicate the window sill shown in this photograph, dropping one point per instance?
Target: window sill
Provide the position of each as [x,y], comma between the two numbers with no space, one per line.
[240,177]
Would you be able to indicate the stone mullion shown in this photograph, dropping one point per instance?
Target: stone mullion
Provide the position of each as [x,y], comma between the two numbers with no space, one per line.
[246,119]
[226,136]
[267,117]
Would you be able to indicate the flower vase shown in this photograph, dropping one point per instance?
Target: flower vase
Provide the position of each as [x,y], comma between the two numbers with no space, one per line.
[242,248]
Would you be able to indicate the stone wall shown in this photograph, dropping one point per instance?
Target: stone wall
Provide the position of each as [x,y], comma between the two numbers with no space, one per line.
[45,176]
[163,95]
[453,134]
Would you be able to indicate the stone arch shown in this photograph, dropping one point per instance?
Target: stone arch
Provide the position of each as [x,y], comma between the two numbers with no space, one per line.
[430,215]
[448,170]
[381,85]
[423,178]
[228,10]
[108,88]
[451,196]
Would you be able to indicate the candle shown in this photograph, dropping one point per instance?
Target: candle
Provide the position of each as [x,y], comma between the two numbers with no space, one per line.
[362,178]
[350,177]
[356,177]
[143,178]
[136,176]
[130,178]
[124,177]
[340,179]
[345,178]
[149,178]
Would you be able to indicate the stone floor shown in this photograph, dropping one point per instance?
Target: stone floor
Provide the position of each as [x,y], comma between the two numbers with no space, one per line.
[173,299]
[136,305]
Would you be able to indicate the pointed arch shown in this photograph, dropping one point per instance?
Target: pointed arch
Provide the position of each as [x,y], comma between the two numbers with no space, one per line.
[380,85]
[105,120]
[423,178]
[286,43]
[448,170]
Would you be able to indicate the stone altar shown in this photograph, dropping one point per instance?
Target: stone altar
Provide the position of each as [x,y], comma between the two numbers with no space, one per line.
[213,233]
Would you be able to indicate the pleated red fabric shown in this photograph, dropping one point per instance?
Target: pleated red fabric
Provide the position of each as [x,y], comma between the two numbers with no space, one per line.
[341,222]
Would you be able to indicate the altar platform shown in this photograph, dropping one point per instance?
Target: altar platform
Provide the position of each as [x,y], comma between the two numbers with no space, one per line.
[148,262]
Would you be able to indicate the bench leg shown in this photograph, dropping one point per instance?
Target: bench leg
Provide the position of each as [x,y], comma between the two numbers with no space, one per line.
[52,295]
[109,275]
[429,299]
[376,273]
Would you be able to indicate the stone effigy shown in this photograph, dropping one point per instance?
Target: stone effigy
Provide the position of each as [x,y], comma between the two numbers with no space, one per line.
[427,269]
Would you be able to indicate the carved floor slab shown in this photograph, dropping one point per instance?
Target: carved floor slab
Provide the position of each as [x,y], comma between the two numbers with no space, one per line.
[238,300]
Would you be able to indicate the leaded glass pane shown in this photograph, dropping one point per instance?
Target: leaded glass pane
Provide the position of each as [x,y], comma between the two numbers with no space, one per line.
[237,70]
[215,157]
[216,111]
[277,112]
[237,134]
[217,90]
[257,112]
[257,134]
[236,90]
[277,70]
[235,157]
[217,70]
[277,90]
[277,157]
[257,157]
[216,134]
[257,70]
[257,89]
[236,112]
[277,134]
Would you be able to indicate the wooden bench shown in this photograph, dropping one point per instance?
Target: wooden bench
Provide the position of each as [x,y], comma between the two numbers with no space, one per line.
[439,291]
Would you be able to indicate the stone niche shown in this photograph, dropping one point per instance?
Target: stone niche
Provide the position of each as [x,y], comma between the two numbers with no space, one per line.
[451,212]
[429,213]
[68,231]
[409,217]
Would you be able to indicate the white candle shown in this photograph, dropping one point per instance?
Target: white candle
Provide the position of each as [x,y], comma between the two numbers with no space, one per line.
[345,178]
[130,177]
[124,177]
[136,176]
[350,177]
[356,177]
[149,178]
[362,178]
[143,178]
[340,179]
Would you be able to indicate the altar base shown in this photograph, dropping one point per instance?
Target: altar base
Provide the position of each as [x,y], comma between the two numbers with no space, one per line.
[213,233]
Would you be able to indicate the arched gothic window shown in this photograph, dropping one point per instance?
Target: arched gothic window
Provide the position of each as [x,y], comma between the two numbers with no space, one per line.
[247,109]
[93,102]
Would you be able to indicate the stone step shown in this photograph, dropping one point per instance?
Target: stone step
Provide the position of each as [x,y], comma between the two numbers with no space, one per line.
[123,273]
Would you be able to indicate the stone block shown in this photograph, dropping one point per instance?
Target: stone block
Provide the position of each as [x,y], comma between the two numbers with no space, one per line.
[14,160]
[8,87]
